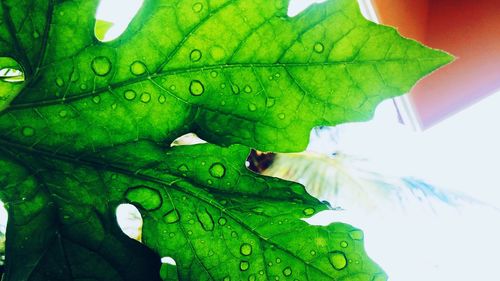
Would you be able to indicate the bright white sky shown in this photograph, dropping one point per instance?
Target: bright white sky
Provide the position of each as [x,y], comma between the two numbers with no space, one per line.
[460,154]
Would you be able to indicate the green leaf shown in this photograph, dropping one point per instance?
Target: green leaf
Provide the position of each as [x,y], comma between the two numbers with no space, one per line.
[90,126]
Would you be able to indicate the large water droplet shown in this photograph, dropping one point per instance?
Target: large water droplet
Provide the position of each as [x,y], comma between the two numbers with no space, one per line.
[356,234]
[217,170]
[172,216]
[129,94]
[145,97]
[337,260]
[287,271]
[146,197]
[28,131]
[196,88]
[319,48]
[244,265]
[197,7]
[101,66]
[195,55]
[308,211]
[138,68]
[205,219]
[246,249]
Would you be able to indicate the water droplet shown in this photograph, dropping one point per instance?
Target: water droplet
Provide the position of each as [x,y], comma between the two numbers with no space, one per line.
[205,219]
[195,55]
[210,181]
[145,97]
[196,88]
[308,211]
[223,103]
[270,102]
[277,75]
[83,86]
[190,232]
[227,278]
[101,66]
[211,253]
[222,86]
[337,260]
[197,7]
[281,116]
[113,106]
[96,99]
[244,265]
[278,260]
[287,271]
[28,131]
[319,48]
[59,82]
[162,99]
[172,88]
[261,272]
[252,107]
[247,89]
[63,113]
[344,244]
[171,234]
[234,234]
[246,249]
[36,35]
[222,221]
[252,278]
[129,94]
[356,234]
[235,89]
[138,68]
[258,210]
[313,253]
[214,74]
[74,76]
[380,277]
[146,197]
[217,170]
[183,168]
[172,216]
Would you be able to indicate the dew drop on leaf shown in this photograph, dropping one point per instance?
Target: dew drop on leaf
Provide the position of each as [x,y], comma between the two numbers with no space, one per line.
[63,113]
[281,116]
[217,170]
[308,211]
[356,235]
[252,278]
[270,102]
[247,89]
[196,88]
[59,82]
[96,99]
[183,168]
[222,221]
[227,278]
[278,260]
[129,94]
[146,197]
[205,219]
[235,89]
[337,260]
[244,265]
[258,210]
[172,216]
[138,68]
[313,253]
[195,55]
[214,74]
[287,271]
[101,66]
[319,48]
[162,99]
[145,97]
[234,234]
[28,131]
[197,7]
[344,244]
[36,35]
[246,249]
[252,107]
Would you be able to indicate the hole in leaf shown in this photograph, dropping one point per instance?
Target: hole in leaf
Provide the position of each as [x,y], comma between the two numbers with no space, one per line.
[130,221]
[10,70]
[187,139]
[168,260]
[295,7]
[168,269]
[3,228]
[113,18]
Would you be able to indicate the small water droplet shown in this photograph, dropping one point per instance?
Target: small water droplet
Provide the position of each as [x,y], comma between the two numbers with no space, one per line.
[319,48]
[114,105]
[313,253]
[205,219]
[278,260]
[214,74]
[210,182]
[287,271]
[172,216]
[190,232]
[234,234]
[36,35]
[223,103]
[171,234]
[281,116]
[172,88]
[246,249]
[344,244]
[227,278]
[222,221]
[308,211]
[96,99]
[270,102]
[197,7]
[145,97]
[235,89]
[222,86]
[183,168]
[129,94]
[258,210]
[162,99]
[28,131]
[217,170]
[83,86]
[247,89]
[196,88]
[252,278]
[59,82]
[337,260]
[195,55]
[138,68]
[63,113]
[356,235]
[101,66]
[277,75]
[244,265]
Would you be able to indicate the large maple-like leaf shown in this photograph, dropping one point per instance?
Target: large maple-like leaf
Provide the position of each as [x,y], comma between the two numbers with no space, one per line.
[91,125]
